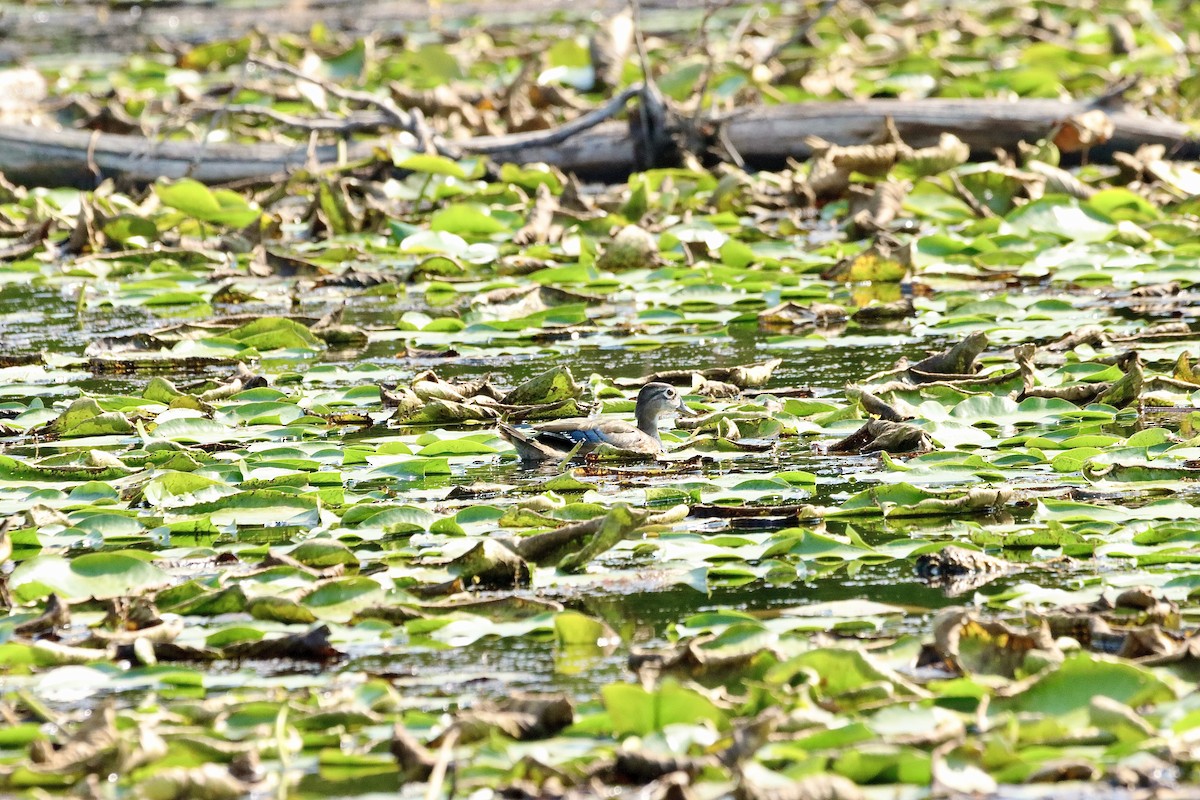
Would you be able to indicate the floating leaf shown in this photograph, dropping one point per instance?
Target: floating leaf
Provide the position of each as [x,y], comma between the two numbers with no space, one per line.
[100,575]
[222,206]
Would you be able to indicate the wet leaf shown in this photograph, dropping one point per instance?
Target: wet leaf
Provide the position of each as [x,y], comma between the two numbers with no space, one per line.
[100,575]
[633,710]
[220,206]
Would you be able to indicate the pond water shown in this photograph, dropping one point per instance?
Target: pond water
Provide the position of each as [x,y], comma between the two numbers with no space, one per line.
[271,489]
[645,608]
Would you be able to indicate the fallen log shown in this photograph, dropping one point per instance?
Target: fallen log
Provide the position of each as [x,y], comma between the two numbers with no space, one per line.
[36,156]
[771,134]
[763,136]
[766,136]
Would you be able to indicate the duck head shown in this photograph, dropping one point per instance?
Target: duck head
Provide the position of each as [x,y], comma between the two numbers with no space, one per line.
[658,400]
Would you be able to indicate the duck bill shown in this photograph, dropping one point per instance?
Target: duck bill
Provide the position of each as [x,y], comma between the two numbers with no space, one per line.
[685,411]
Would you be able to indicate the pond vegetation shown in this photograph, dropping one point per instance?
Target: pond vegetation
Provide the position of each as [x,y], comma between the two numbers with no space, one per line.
[933,526]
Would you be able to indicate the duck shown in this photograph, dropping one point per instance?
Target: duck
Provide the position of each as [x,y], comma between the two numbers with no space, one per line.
[565,438]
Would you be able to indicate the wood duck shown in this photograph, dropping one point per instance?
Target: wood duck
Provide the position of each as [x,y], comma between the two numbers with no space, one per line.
[560,438]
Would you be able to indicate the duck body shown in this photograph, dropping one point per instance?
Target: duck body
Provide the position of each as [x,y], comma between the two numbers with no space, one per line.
[564,437]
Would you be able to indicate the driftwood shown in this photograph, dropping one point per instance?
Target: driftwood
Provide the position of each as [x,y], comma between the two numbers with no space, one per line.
[771,134]
[763,136]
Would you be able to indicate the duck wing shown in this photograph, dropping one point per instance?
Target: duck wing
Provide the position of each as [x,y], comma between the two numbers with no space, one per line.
[590,432]
[530,445]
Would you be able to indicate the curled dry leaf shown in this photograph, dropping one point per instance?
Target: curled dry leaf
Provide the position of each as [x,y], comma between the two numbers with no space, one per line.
[204,782]
[882,435]
[312,645]
[133,343]
[825,786]
[953,561]
[873,405]
[522,716]
[617,525]
[639,767]
[1127,390]
[163,631]
[609,47]
[704,387]
[832,165]
[949,152]
[1060,181]
[98,746]
[242,380]
[960,779]
[1153,643]
[973,645]
[415,760]
[1064,770]
[56,614]
[519,302]
[743,376]
[877,211]
[790,315]
[892,311]
[956,360]
[958,570]
[490,565]
[1081,131]
[539,227]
